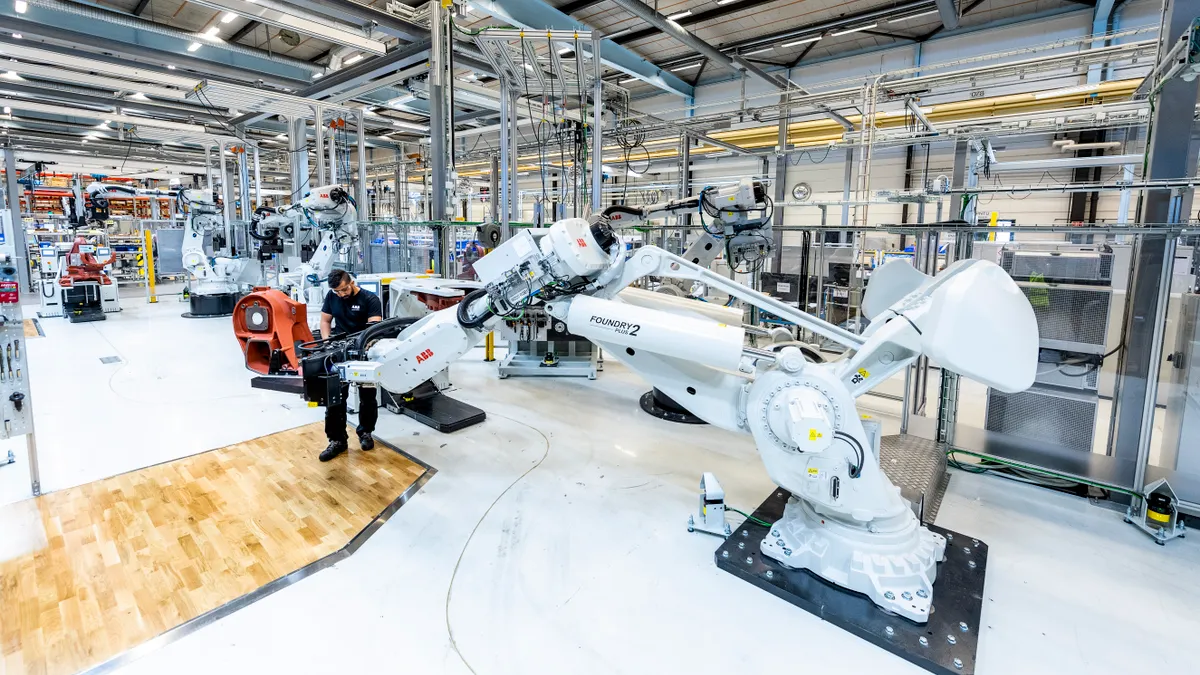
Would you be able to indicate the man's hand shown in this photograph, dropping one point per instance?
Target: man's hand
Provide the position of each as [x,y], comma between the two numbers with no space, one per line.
[326,325]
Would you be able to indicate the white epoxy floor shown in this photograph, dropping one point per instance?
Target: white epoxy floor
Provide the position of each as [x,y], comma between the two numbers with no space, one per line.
[553,538]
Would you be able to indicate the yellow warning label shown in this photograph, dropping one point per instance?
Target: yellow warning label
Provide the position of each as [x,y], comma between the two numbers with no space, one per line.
[312,404]
[864,373]
[813,435]
[814,471]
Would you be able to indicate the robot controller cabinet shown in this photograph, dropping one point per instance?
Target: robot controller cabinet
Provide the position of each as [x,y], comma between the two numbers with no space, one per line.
[14,380]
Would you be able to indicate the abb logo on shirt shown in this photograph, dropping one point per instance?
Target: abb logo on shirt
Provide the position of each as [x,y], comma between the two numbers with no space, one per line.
[424,356]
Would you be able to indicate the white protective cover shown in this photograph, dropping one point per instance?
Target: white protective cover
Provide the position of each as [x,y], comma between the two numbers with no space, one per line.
[571,240]
[698,340]
[979,324]
[889,284]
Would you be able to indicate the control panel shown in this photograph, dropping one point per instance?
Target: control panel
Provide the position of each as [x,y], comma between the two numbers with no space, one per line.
[15,411]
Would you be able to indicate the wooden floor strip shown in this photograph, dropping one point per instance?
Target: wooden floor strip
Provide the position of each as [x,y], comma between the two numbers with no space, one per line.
[32,328]
[138,556]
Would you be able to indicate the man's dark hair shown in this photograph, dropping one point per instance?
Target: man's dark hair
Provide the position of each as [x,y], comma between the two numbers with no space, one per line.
[338,277]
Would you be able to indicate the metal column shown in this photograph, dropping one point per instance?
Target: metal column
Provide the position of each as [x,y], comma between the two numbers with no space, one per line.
[506,195]
[685,187]
[441,131]
[226,191]
[1167,157]
[257,182]
[402,174]
[208,180]
[361,192]
[333,158]
[243,176]
[13,194]
[781,162]
[597,140]
[297,158]
[319,140]
[399,187]
[513,192]
[494,190]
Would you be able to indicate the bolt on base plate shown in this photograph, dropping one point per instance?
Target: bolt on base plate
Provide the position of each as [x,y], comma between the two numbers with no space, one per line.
[945,644]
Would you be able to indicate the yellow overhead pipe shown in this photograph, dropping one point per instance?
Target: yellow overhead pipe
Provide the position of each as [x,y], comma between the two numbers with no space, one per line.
[820,132]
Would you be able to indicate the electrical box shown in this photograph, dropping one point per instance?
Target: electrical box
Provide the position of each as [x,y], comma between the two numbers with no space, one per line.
[518,250]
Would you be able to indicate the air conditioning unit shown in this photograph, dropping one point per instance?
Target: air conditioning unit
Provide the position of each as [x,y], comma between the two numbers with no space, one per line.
[1070,267]
[1070,318]
[1049,414]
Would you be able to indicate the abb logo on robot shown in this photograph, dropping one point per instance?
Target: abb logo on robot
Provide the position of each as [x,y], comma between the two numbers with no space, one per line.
[424,356]
[581,242]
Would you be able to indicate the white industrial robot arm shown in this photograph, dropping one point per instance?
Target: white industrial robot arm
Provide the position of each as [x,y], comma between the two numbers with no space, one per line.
[335,215]
[212,275]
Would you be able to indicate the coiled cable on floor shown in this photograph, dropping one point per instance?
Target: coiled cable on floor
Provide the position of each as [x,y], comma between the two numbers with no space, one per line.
[467,543]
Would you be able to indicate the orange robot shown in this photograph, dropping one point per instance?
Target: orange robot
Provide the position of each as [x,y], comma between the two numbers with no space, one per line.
[268,326]
[83,266]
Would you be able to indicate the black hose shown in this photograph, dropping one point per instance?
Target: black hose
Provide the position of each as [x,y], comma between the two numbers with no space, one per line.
[464,319]
[381,329]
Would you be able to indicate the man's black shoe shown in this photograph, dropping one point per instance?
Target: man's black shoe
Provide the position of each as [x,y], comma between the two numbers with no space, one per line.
[335,448]
[366,442]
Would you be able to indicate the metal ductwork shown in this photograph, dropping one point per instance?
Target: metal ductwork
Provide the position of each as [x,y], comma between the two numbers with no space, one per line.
[119,19]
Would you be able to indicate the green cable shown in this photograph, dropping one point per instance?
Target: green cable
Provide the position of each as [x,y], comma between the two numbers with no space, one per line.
[756,521]
[1033,469]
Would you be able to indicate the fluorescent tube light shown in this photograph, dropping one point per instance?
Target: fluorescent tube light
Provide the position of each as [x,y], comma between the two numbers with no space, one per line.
[912,16]
[1066,91]
[793,43]
[228,16]
[353,60]
[854,30]
[680,15]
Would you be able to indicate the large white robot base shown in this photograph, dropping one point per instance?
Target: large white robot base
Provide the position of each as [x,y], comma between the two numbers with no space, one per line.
[845,525]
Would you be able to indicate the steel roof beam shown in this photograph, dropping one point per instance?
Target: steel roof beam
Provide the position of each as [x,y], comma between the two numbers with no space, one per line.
[948,13]
[335,86]
[812,29]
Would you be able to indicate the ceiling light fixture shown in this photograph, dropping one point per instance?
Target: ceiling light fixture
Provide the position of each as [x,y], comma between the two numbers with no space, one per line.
[16,36]
[7,110]
[281,137]
[687,67]
[854,30]
[317,76]
[757,51]
[632,79]
[564,50]
[228,16]
[353,60]
[211,33]
[194,46]
[21,6]
[170,67]
[800,42]
[680,15]
[912,16]
[726,2]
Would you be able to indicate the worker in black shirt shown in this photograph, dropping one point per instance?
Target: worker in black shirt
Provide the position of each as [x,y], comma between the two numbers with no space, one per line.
[348,309]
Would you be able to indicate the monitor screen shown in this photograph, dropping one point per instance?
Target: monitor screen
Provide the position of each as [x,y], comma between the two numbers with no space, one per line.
[372,286]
